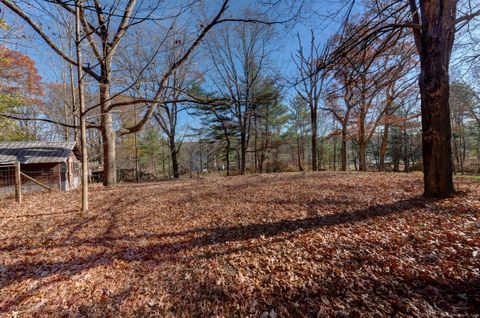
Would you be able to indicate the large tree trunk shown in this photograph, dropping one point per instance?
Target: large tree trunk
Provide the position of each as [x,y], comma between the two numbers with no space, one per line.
[108,134]
[261,160]
[362,155]
[362,143]
[313,115]
[437,36]
[173,156]
[299,158]
[383,148]
[243,152]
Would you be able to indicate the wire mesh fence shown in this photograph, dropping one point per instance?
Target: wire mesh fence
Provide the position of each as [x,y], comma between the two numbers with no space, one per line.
[17,186]
[13,180]
[47,177]
[7,178]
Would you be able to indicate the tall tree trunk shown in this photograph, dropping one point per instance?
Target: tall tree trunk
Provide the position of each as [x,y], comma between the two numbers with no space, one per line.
[321,155]
[313,115]
[108,135]
[66,130]
[239,164]
[478,154]
[137,172]
[383,148]
[299,158]
[362,143]
[396,149]
[261,162]
[406,149]
[463,151]
[173,157]
[83,126]
[154,167]
[334,153]
[456,155]
[362,155]
[343,149]
[255,140]
[74,109]
[437,36]
[227,156]
[243,152]
[353,151]
[163,160]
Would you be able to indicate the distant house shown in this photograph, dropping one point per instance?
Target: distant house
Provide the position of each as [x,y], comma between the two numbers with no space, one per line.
[54,164]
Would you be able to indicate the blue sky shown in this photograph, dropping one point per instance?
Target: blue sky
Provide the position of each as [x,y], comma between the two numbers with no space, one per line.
[287,41]
[48,63]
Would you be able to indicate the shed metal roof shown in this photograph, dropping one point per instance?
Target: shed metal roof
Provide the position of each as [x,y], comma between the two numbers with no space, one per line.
[35,151]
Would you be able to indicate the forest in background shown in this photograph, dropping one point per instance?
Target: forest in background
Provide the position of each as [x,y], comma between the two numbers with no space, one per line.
[165,97]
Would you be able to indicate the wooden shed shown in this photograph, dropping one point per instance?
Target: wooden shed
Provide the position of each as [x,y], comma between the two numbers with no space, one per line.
[54,164]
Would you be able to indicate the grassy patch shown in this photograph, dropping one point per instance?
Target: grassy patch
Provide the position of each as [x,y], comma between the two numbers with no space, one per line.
[469,177]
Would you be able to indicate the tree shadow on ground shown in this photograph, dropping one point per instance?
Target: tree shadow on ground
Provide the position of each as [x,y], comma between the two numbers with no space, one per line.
[22,270]
[33,215]
[398,296]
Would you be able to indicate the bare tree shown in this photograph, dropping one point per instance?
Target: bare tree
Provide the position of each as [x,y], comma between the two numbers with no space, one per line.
[239,56]
[104,27]
[81,102]
[340,102]
[312,72]
[300,127]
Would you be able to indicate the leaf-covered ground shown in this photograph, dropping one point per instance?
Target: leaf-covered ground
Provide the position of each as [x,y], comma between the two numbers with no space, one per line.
[283,245]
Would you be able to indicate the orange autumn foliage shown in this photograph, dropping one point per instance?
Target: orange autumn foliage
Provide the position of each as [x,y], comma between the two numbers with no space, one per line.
[19,76]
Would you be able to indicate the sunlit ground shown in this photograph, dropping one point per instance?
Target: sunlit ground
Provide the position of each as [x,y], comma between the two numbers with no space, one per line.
[293,244]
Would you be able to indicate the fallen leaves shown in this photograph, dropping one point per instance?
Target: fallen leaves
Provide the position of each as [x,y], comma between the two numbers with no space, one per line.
[299,245]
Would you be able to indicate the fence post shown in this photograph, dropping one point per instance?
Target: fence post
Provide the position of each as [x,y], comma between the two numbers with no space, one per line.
[18,183]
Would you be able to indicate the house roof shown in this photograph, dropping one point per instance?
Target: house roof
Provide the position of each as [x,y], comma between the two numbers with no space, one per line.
[35,151]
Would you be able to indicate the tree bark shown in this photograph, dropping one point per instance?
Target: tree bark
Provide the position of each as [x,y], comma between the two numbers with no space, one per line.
[405,151]
[173,157]
[362,142]
[299,158]
[362,155]
[227,156]
[437,36]
[163,160]
[313,115]
[83,126]
[255,150]
[243,152]
[238,161]
[383,148]
[334,154]
[108,138]
[343,149]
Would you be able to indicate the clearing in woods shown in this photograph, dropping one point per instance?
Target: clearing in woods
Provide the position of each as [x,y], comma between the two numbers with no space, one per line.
[278,245]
